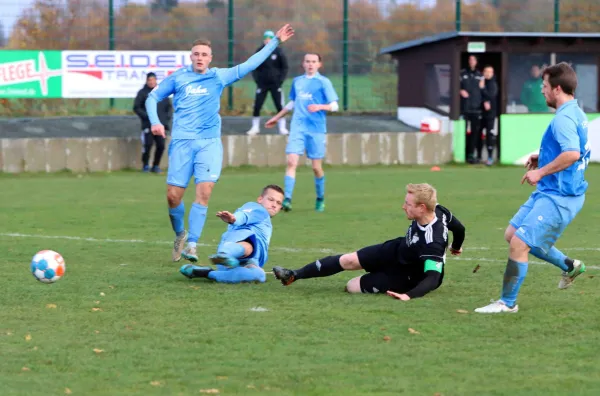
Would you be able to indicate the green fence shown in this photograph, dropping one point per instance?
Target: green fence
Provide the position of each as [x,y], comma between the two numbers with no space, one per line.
[347,33]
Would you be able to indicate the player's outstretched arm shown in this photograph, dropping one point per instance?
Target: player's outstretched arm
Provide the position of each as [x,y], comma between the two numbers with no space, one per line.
[231,75]
[244,216]
[433,272]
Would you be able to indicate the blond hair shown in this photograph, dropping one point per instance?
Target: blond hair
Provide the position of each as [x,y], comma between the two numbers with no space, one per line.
[424,194]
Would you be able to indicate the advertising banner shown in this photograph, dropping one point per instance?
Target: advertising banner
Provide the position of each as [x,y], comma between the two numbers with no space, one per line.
[115,74]
[30,74]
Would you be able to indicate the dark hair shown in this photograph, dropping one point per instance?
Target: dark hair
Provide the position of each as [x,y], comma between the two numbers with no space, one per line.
[490,66]
[273,187]
[314,53]
[150,75]
[563,75]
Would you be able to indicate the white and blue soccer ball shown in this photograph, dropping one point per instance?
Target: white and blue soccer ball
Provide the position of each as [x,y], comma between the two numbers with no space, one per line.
[48,266]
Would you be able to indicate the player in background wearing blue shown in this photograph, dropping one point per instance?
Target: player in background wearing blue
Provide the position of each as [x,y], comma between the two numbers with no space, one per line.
[244,247]
[558,173]
[311,96]
[195,147]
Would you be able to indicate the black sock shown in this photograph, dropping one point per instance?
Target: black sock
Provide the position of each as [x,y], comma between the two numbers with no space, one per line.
[569,263]
[326,266]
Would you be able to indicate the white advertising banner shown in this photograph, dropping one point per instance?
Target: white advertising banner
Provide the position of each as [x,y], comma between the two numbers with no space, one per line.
[115,74]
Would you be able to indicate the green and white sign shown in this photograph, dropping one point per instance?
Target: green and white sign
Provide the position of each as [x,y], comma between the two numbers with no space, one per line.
[476,47]
[30,74]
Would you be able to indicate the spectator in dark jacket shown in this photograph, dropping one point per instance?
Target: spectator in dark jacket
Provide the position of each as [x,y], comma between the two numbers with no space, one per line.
[165,112]
[471,84]
[488,118]
[269,77]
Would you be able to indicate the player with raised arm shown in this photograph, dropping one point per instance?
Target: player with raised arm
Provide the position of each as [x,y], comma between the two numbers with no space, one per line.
[558,173]
[196,148]
[244,247]
[311,96]
[406,267]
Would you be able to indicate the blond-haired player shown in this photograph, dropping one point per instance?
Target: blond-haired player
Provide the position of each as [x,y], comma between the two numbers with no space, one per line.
[406,267]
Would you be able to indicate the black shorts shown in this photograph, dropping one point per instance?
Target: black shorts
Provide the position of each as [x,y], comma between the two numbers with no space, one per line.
[385,272]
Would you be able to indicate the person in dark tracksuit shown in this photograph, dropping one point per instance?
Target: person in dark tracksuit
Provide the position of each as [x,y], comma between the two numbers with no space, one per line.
[269,77]
[471,84]
[165,112]
[488,115]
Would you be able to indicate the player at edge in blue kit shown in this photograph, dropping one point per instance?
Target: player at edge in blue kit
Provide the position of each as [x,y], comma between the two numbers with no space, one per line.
[195,147]
[311,96]
[558,173]
[244,247]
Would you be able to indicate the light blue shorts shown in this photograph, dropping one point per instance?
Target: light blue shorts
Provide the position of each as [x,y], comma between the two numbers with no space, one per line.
[313,143]
[259,254]
[543,218]
[202,158]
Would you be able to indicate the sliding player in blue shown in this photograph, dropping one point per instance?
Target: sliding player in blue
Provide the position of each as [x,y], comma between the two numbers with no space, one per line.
[244,247]
[195,147]
[558,173]
[311,97]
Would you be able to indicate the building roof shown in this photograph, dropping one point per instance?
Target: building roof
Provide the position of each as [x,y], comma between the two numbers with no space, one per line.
[450,35]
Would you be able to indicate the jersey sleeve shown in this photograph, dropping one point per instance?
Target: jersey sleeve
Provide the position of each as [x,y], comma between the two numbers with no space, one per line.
[250,213]
[565,133]
[233,74]
[293,91]
[434,251]
[164,89]
[330,94]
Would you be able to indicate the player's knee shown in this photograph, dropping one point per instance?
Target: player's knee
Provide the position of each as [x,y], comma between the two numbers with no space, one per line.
[292,163]
[349,262]
[518,245]
[509,233]
[353,285]
[173,198]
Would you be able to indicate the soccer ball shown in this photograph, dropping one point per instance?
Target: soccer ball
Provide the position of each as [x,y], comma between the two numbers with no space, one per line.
[47,266]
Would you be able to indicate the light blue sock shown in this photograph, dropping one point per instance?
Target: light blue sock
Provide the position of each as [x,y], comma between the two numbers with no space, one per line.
[176,215]
[320,187]
[288,184]
[237,275]
[554,256]
[232,249]
[514,275]
[196,220]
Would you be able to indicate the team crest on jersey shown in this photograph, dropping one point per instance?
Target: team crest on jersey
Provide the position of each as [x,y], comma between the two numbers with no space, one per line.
[195,91]
[415,239]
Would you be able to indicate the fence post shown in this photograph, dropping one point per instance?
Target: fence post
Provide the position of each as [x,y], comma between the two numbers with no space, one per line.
[345,57]
[111,38]
[458,16]
[230,60]
[556,16]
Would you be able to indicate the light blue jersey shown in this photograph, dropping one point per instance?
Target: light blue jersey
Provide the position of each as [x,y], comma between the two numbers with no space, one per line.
[568,131]
[560,196]
[306,91]
[253,223]
[197,97]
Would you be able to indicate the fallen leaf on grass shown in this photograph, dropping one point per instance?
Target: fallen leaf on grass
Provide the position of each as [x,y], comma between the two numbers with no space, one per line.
[591,276]
[25,369]
[8,333]
[68,391]
[96,302]
[51,306]
[383,328]
[28,337]
[221,377]
[96,309]
[155,383]
[35,348]
[96,331]
[195,287]
[251,386]
[463,311]
[209,391]
[111,287]
[98,350]
[102,294]
[412,331]
[387,338]
[476,268]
